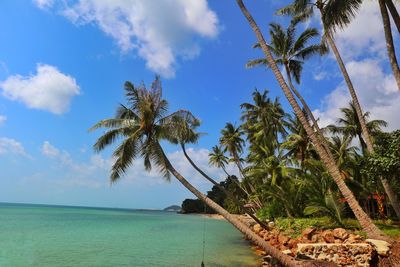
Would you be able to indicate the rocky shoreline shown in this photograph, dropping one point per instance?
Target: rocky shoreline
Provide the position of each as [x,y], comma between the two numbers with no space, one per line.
[345,248]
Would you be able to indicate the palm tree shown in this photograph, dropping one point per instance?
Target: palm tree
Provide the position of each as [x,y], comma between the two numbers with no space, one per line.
[338,14]
[349,125]
[344,154]
[393,11]
[185,132]
[298,144]
[389,40]
[232,142]
[334,13]
[218,159]
[290,52]
[263,122]
[369,227]
[142,125]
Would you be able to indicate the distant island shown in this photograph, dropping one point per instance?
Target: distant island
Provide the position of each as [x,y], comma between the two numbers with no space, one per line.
[173,208]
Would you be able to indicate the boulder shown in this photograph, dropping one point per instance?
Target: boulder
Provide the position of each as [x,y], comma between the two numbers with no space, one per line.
[257,228]
[292,243]
[283,239]
[359,254]
[328,236]
[307,233]
[340,233]
[381,247]
[354,239]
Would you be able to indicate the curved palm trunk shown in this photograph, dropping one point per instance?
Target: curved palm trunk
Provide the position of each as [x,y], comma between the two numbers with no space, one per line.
[389,42]
[223,189]
[274,252]
[393,11]
[368,226]
[357,106]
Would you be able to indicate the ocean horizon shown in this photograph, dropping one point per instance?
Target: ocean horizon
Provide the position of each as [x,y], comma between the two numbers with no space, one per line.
[60,236]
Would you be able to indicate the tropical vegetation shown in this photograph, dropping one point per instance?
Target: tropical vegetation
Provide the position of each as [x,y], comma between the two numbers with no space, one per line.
[282,164]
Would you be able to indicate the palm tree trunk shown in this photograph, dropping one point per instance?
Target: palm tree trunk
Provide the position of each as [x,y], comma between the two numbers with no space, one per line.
[306,107]
[389,42]
[274,252]
[353,94]
[223,168]
[368,226]
[394,201]
[223,189]
[393,11]
[358,109]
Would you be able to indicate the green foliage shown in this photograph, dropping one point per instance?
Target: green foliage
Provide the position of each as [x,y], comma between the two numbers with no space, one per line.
[329,206]
[218,196]
[193,206]
[386,159]
[294,226]
[271,210]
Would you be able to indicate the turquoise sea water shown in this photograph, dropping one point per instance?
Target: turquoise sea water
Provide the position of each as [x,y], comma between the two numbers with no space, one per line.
[55,236]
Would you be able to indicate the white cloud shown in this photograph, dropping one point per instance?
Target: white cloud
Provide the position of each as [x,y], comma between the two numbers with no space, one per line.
[2,119]
[49,150]
[91,173]
[377,93]
[364,35]
[44,4]
[11,146]
[95,171]
[49,89]
[160,31]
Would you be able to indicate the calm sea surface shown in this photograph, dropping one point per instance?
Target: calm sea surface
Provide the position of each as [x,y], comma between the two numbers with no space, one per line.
[55,236]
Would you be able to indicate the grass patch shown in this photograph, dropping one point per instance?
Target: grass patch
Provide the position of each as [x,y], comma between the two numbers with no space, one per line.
[294,226]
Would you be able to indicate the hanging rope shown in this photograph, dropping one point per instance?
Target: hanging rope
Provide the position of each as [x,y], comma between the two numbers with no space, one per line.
[204,236]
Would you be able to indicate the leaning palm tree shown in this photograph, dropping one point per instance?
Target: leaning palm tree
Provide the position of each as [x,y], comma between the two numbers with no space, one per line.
[367,224]
[349,125]
[337,14]
[141,125]
[334,13]
[185,132]
[395,14]
[387,29]
[290,52]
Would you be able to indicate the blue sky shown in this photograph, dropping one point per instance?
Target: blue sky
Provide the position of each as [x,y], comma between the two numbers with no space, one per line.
[63,64]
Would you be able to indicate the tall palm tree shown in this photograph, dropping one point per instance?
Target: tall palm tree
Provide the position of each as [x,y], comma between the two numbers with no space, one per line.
[298,144]
[393,11]
[141,125]
[232,142]
[369,227]
[334,13]
[218,159]
[349,125]
[387,29]
[185,132]
[337,14]
[290,52]
[344,154]
[264,122]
